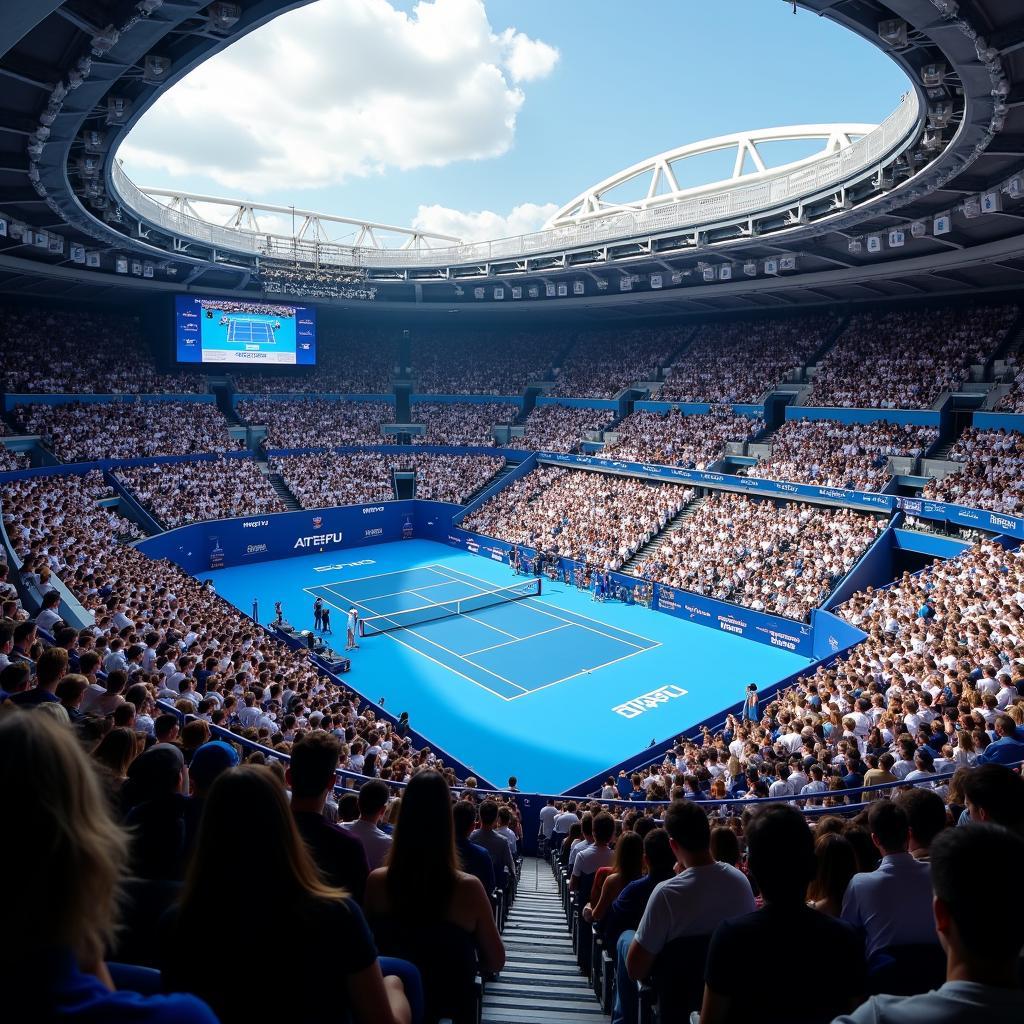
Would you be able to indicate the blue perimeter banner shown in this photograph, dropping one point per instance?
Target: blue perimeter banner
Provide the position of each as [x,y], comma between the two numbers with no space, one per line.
[958,515]
[726,481]
[199,547]
[772,630]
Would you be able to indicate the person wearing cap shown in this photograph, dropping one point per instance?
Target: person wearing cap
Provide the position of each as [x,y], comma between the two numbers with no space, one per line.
[208,762]
[351,625]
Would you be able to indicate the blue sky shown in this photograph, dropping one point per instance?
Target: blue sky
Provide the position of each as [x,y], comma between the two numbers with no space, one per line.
[442,111]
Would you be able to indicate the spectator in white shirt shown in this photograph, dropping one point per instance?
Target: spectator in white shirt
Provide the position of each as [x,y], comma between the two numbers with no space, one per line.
[373,801]
[598,855]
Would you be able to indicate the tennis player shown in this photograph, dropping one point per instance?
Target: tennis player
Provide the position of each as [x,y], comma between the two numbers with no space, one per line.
[350,630]
[318,613]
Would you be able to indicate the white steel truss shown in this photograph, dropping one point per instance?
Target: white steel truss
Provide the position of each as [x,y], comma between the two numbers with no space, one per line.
[654,182]
[309,226]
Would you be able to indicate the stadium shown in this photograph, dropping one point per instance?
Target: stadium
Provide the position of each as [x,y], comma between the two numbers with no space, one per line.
[508,620]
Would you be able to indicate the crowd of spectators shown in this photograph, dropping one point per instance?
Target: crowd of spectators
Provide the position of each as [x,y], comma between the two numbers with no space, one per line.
[739,360]
[482,362]
[88,431]
[451,478]
[10,459]
[257,308]
[827,453]
[316,422]
[595,518]
[172,632]
[992,477]
[935,689]
[601,363]
[907,359]
[324,479]
[348,362]
[785,559]
[677,439]
[56,524]
[1013,400]
[81,352]
[560,428]
[461,423]
[190,492]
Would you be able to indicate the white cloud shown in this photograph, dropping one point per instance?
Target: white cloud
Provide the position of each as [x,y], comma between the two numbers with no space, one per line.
[528,59]
[483,225]
[339,89]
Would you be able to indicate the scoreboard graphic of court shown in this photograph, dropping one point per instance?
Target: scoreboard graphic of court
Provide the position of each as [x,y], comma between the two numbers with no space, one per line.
[212,330]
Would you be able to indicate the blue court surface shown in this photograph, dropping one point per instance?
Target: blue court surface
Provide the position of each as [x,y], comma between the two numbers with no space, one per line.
[551,688]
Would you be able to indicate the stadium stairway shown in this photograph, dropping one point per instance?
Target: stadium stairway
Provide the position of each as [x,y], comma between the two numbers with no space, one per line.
[541,982]
[283,492]
[658,539]
[491,481]
[223,394]
[824,348]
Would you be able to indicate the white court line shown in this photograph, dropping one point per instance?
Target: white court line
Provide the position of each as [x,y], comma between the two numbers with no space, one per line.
[417,650]
[441,647]
[531,602]
[377,576]
[395,593]
[543,632]
[582,672]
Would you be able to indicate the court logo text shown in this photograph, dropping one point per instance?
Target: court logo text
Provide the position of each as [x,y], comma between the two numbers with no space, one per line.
[319,540]
[648,701]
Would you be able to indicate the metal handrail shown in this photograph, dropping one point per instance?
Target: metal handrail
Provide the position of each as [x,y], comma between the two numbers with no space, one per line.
[741,200]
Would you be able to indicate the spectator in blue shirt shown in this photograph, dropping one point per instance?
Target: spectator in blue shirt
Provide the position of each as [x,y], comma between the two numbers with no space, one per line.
[68,858]
[630,904]
[1007,748]
[475,859]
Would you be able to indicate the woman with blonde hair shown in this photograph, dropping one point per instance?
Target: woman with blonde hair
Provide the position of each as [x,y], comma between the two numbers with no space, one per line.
[65,857]
[250,851]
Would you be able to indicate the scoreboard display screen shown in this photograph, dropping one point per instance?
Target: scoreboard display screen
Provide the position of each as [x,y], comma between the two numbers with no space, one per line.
[237,332]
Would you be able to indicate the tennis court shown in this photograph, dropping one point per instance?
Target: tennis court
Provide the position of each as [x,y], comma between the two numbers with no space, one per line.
[553,687]
[243,331]
[498,638]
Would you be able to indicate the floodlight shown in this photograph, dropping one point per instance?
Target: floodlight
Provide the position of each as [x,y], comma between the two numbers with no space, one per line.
[918,229]
[992,202]
[750,268]
[940,114]
[656,280]
[897,239]
[972,207]
[117,109]
[932,75]
[893,32]
[517,292]
[578,288]
[942,224]
[1015,187]
[105,40]
[155,68]
[855,245]
[223,16]
[787,263]
[725,272]
[874,243]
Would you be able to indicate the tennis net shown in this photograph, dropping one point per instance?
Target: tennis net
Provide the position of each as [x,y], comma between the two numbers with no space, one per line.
[374,625]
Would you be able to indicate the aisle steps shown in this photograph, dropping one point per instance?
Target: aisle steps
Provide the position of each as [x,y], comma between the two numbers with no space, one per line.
[541,983]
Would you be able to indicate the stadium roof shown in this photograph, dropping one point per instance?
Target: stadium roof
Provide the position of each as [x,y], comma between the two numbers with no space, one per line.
[76,76]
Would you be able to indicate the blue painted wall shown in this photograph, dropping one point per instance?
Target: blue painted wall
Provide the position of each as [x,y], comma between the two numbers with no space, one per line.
[914,417]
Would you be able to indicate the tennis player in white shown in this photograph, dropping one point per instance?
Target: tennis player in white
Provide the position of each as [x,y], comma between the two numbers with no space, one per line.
[350,630]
